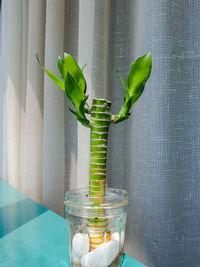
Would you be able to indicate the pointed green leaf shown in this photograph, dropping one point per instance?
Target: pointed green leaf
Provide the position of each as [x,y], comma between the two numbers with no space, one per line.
[124,84]
[72,111]
[52,76]
[70,65]
[139,73]
[83,67]
[73,91]
[82,106]
[60,66]
[124,112]
[135,97]
[87,108]
[84,121]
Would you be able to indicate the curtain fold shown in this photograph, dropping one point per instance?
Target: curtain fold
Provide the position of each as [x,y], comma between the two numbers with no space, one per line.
[54,112]
[31,171]
[154,155]
[10,92]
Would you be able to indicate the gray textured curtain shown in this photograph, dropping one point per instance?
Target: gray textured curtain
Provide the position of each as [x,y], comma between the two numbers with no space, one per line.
[155,155]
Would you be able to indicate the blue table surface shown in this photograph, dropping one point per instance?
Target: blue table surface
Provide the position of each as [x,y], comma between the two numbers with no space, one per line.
[31,235]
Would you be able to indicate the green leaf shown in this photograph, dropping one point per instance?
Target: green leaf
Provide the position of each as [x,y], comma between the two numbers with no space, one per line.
[138,76]
[60,66]
[52,76]
[124,84]
[69,64]
[84,121]
[135,97]
[139,73]
[87,108]
[83,67]
[73,91]
[124,112]
[77,97]
[72,111]
[82,106]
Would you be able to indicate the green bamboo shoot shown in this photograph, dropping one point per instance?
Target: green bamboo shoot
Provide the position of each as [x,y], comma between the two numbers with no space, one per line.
[73,83]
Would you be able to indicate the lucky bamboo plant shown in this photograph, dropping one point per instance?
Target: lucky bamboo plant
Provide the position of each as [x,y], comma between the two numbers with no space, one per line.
[74,84]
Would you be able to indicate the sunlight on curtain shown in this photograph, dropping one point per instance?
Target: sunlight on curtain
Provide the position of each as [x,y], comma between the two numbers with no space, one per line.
[32,135]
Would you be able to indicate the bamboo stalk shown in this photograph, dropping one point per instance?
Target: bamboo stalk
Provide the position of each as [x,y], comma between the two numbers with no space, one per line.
[74,85]
[100,122]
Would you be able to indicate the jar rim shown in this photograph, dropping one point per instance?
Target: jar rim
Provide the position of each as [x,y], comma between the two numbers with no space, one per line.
[114,198]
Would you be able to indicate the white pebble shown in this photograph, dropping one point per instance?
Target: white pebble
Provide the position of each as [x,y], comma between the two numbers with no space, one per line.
[116,236]
[102,256]
[80,245]
[75,259]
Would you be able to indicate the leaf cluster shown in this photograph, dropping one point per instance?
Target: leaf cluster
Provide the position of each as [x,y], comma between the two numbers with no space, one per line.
[138,76]
[73,83]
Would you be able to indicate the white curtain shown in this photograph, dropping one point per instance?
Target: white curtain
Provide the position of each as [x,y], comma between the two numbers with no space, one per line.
[32,108]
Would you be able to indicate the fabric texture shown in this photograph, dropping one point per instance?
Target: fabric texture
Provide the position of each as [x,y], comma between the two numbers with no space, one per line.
[154,155]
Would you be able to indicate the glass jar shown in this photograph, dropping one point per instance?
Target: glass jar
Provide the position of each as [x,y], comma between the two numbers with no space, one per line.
[96,231]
